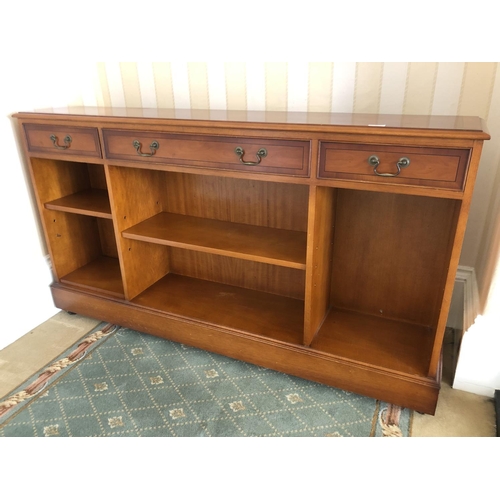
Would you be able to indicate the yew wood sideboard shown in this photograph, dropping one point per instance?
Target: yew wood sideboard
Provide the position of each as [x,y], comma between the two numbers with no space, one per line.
[324,246]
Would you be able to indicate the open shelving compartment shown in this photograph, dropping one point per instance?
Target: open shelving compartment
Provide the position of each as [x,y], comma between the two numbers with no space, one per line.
[76,214]
[387,267]
[218,250]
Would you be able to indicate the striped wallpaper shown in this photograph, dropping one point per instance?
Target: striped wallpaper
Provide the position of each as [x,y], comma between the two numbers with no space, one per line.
[444,88]
[408,88]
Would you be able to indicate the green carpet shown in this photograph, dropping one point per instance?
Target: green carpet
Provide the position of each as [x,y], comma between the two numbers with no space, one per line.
[118,382]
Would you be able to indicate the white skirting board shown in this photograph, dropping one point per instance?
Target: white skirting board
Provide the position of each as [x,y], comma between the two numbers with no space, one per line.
[478,365]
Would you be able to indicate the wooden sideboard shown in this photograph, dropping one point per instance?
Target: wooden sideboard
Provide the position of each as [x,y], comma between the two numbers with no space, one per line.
[320,245]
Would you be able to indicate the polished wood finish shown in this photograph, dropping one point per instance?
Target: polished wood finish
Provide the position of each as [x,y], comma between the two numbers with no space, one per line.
[244,273]
[57,179]
[135,196]
[283,157]
[90,202]
[457,233]
[84,141]
[101,275]
[441,168]
[73,239]
[307,262]
[355,123]
[268,204]
[390,256]
[419,393]
[320,245]
[236,308]
[107,238]
[261,244]
[377,341]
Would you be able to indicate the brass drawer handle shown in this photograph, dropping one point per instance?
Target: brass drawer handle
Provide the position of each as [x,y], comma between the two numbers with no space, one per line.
[153,146]
[261,153]
[67,141]
[374,161]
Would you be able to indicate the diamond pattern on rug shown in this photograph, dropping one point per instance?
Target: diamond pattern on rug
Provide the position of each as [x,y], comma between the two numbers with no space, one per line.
[134,384]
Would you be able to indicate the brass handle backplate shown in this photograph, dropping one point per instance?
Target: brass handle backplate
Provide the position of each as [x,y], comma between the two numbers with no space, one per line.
[261,153]
[153,147]
[67,141]
[401,163]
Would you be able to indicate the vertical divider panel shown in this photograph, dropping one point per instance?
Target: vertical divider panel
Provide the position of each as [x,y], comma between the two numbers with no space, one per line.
[319,258]
[107,237]
[461,223]
[135,195]
[97,177]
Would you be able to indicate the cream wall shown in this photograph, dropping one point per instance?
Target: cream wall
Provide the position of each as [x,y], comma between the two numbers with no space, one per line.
[374,87]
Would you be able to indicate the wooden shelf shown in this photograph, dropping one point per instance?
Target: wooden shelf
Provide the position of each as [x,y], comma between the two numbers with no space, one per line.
[261,244]
[94,202]
[380,342]
[264,314]
[102,275]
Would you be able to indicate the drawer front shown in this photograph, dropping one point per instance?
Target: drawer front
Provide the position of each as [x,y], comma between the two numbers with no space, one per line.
[61,139]
[433,167]
[276,156]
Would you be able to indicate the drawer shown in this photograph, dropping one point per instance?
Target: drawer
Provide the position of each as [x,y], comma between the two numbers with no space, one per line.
[275,156]
[80,141]
[433,167]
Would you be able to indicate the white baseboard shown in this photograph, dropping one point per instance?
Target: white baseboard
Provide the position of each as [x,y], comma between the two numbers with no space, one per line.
[462,385]
[463,308]
[467,277]
[476,370]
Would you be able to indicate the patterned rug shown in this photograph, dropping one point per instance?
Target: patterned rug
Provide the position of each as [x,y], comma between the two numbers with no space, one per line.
[119,382]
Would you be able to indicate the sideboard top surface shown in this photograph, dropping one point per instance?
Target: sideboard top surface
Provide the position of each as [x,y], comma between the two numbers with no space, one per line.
[378,124]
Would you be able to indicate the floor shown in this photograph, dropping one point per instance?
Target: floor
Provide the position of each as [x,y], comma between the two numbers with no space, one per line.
[458,414]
